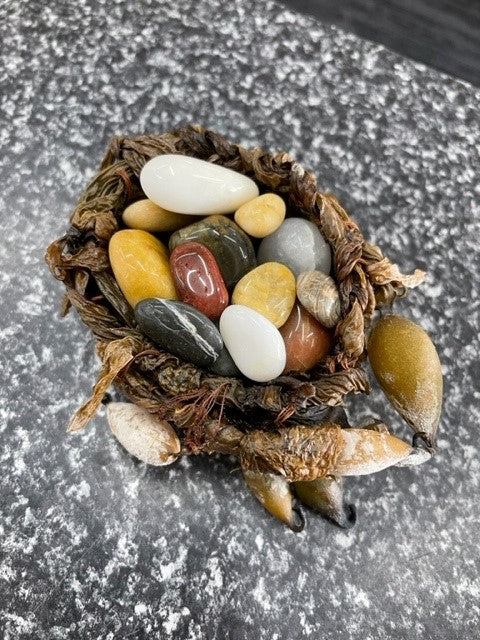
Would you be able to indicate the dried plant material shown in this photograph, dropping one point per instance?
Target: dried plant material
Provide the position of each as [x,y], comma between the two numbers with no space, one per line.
[330,389]
[109,288]
[90,256]
[306,453]
[386,278]
[296,453]
[116,356]
[143,435]
[384,272]
[364,451]
[351,335]
[274,494]
[325,496]
[223,439]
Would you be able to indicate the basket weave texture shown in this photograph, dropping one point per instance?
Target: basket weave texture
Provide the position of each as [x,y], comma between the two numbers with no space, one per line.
[180,392]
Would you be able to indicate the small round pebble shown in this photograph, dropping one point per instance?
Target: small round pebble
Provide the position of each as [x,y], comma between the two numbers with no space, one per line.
[261,216]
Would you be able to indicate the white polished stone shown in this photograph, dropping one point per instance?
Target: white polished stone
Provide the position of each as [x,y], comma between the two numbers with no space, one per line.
[188,185]
[299,245]
[255,344]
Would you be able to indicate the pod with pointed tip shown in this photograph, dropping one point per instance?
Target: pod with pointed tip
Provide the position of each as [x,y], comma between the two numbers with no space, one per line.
[407,367]
[367,451]
[325,496]
[143,435]
[274,493]
[306,453]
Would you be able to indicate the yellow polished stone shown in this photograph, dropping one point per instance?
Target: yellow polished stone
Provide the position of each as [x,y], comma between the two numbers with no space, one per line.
[269,289]
[261,216]
[140,265]
[146,215]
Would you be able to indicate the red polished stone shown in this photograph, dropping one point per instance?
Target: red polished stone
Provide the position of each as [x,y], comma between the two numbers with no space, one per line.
[306,340]
[198,279]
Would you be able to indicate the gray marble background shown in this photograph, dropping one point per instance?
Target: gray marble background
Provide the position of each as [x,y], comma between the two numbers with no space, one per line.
[96,545]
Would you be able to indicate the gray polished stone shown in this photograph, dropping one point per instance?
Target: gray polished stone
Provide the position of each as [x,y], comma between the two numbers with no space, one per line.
[98,546]
[299,245]
[179,328]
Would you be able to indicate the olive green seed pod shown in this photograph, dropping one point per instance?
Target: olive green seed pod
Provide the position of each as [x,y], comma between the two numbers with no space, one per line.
[325,496]
[407,367]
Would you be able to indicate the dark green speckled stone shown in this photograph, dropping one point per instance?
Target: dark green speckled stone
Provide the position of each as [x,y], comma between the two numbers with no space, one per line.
[230,246]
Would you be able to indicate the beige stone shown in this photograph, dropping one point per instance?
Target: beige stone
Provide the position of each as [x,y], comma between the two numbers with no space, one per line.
[261,216]
[148,216]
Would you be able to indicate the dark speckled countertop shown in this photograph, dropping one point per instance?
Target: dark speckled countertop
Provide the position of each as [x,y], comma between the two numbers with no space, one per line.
[95,544]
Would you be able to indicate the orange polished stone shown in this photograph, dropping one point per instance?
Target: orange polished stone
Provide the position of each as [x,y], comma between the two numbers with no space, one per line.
[306,340]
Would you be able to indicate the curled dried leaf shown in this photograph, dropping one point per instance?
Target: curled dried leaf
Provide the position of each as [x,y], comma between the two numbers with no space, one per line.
[330,389]
[112,292]
[385,275]
[115,355]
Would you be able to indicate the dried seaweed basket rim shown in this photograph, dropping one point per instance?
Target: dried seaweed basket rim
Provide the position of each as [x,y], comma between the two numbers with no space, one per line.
[185,395]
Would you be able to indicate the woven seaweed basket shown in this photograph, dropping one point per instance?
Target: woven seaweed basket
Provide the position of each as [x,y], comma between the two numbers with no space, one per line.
[186,396]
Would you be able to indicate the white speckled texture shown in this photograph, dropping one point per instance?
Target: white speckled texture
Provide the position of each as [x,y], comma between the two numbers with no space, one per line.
[96,545]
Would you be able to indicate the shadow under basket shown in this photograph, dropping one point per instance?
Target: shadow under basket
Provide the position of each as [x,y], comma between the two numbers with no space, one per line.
[195,402]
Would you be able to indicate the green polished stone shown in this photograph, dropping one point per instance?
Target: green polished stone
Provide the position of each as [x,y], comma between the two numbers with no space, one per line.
[230,246]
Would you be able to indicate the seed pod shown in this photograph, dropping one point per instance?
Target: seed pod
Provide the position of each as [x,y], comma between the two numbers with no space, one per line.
[274,493]
[325,496]
[365,451]
[318,293]
[142,434]
[406,365]
[306,453]
[297,453]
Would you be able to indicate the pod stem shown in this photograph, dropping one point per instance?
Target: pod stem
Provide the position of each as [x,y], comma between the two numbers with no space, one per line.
[421,437]
[298,522]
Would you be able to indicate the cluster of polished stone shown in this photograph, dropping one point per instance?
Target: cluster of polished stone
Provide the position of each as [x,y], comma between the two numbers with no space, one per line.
[250,295]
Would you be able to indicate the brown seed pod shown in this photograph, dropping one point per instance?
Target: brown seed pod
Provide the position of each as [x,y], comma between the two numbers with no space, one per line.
[142,434]
[306,453]
[274,493]
[325,496]
[366,451]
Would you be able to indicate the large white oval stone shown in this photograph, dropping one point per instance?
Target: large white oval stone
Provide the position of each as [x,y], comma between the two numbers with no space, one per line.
[188,185]
[255,344]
